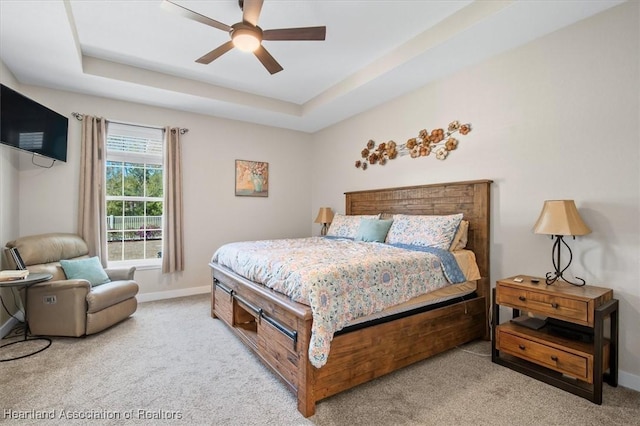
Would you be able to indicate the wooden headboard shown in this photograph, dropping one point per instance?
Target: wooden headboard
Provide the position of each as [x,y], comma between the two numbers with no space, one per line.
[471,198]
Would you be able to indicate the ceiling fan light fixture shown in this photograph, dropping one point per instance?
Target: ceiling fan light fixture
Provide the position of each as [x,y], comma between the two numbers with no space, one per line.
[247,35]
[245,39]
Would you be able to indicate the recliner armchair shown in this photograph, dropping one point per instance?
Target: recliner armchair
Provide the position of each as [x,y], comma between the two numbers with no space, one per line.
[77,309]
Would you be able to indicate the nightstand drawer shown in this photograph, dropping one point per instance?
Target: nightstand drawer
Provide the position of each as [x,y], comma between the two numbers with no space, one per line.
[563,362]
[547,304]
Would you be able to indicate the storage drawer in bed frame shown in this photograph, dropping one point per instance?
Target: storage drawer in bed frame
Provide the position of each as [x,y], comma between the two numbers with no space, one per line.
[269,331]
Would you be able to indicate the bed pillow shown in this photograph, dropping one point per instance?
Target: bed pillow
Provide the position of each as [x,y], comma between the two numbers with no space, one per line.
[347,225]
[462,236]
[425,231]
[89,269]
[373,230]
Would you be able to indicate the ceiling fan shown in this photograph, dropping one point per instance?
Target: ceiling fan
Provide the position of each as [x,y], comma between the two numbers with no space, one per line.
[247,35]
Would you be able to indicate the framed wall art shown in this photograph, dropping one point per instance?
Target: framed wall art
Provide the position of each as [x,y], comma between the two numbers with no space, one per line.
[252,178]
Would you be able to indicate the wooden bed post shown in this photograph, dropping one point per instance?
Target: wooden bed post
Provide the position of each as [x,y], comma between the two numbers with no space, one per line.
[482,244]
[306,372]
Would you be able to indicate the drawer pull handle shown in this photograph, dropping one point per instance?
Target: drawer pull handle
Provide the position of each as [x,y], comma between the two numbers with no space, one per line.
[224,288]
[554,305]
[554,358]
[522,298]
[522,347]
[257,312]
[291,334]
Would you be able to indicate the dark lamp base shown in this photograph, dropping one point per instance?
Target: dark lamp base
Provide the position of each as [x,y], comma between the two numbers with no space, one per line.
[556,275]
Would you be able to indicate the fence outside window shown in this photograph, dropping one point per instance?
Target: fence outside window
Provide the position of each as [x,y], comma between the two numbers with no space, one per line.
[134,228]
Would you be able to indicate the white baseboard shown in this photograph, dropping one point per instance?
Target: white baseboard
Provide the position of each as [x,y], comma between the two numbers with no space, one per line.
[629,380]
[171,294]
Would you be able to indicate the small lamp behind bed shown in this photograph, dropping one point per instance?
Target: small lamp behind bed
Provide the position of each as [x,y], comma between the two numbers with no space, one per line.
[325,216]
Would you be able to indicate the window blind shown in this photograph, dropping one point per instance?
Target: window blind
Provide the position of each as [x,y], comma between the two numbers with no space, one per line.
[131,143]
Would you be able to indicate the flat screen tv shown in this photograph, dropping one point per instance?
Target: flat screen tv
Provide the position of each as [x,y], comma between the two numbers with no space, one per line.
[29,126]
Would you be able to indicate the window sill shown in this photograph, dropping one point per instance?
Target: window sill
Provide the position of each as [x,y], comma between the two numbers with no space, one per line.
[141,265]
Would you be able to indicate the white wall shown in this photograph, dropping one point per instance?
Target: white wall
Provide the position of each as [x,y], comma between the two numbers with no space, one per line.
[8,177]
[555,119]
[213,214]
[8,207]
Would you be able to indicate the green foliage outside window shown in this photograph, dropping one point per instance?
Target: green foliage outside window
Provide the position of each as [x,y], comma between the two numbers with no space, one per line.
[133,209]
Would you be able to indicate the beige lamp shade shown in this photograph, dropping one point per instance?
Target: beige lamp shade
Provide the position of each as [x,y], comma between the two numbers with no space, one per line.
[560,217]
[325,215]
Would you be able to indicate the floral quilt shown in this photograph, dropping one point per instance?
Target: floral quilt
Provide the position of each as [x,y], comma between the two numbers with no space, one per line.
[339,279]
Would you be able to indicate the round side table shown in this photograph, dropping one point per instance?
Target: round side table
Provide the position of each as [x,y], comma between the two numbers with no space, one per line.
[19,284]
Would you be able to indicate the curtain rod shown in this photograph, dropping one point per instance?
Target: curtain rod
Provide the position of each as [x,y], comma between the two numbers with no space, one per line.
[79,117]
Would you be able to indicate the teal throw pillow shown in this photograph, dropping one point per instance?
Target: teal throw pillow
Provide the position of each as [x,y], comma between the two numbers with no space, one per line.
[89,269]
[373,230]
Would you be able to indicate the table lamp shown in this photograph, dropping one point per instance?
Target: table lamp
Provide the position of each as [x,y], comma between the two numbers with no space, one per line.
[325,216]
[560,218]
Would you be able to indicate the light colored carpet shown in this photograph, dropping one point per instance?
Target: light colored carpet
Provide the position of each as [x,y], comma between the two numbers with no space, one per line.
[172,360]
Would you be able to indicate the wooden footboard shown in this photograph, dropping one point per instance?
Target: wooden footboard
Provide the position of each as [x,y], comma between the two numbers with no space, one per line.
[278,330]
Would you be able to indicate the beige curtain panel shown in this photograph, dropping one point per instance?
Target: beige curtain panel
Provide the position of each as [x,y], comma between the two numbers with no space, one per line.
[91,206]
[172,233]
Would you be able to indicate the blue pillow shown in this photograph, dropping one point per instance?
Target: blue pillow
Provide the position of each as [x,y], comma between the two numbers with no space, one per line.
[373,230]
[89,269]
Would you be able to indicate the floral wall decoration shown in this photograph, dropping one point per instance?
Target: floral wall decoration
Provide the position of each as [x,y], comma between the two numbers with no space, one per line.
[438,142]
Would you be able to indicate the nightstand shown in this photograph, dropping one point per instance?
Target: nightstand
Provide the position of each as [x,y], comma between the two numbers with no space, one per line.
[570,351]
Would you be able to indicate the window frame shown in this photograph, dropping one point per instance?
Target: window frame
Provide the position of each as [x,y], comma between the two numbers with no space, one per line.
[133,130]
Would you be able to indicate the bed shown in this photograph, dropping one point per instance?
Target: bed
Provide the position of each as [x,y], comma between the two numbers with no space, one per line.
[279,330]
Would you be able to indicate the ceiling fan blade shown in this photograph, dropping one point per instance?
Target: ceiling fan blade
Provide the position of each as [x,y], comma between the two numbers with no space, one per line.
[251,11]
[307,33]
[187,13]
[215,53]
[267,60]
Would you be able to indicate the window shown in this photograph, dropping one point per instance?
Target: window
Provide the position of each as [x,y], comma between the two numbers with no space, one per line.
[134,192]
